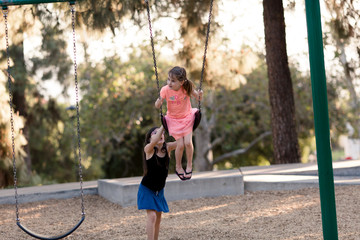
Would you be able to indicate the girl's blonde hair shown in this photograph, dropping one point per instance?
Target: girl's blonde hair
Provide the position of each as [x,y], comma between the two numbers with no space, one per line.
[180,74]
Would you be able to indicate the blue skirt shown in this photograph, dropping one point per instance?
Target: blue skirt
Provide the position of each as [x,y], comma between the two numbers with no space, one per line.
[150,200]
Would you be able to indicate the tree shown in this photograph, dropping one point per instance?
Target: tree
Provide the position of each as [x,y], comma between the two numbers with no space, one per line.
[113,122]
[18,71]
[193,24]
[234,106]
[117,110]
[285,142]
[54,62]
[344,34]
[6,158]
[193,16]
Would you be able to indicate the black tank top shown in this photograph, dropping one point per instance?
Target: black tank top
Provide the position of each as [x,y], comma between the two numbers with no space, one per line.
[157,172]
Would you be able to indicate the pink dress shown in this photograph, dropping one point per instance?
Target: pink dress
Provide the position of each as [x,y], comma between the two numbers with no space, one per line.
[180,116]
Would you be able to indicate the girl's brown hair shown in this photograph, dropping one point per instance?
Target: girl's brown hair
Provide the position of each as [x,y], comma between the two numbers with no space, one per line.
[163,149]
[180,74]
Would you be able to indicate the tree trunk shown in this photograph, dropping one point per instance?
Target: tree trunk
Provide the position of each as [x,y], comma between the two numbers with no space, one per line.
[285,142]
[203,156]
[192,53]
[351,87]
[20,84]
[6,179]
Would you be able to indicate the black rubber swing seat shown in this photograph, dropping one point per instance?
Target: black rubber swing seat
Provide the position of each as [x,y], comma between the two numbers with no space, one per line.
[163,122]
[197,119]
[39,236]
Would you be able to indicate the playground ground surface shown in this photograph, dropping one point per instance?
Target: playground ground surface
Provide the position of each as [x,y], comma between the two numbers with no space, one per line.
[293,214]
[269,214]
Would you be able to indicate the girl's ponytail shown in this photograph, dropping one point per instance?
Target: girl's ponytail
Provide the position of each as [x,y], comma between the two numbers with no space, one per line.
[188,86]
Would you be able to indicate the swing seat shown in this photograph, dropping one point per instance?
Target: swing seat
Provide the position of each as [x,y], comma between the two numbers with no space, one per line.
[35,235]
[163,122]
[197,119]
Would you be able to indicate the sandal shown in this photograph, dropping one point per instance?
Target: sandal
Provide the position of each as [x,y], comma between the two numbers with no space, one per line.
[181,176]
[187,173]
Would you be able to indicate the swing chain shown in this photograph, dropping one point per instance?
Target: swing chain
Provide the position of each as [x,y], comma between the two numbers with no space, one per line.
[5,13]
[205,50]
[73,12]
[153,51]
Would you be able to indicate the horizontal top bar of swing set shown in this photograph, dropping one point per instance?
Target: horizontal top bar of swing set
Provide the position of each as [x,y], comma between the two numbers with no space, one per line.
[5,3]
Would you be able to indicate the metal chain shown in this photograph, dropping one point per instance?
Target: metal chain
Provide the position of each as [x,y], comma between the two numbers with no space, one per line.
[5,13]
[205,51]
[73,12]
[153,51]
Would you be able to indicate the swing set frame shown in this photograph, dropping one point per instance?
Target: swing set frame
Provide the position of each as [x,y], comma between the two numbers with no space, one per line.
[320,105]
[5,3]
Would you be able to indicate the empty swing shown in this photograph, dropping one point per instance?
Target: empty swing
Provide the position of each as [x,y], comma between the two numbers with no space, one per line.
[198,112]
[4,5]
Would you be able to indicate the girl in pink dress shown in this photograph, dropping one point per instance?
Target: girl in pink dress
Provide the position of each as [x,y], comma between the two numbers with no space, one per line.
[180,116]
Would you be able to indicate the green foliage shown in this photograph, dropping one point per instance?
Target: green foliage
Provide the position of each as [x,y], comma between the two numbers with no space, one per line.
[52,148]
[117,110]
[53,61]
[99,15]
[41,143]
[343,36]
[244,115]
[117,106]
[6,158]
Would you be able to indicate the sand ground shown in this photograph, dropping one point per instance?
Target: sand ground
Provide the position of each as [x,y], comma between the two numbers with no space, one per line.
[262,215]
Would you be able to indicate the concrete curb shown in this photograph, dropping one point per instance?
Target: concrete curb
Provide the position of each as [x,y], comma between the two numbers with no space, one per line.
[203,184]
[123,191]
[42,193]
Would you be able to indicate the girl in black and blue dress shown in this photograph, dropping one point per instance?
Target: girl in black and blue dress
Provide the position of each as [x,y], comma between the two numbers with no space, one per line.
[151,190]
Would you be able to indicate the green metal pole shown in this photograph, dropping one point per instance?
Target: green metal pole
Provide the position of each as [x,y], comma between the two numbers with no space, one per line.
[321,120]
[23,2]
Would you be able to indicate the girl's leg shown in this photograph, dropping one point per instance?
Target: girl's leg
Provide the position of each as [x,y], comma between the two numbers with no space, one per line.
[178,155]
[157,225]
[189,153]
[150,224]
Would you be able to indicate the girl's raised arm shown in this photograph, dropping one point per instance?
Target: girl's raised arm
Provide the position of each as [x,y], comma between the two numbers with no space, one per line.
[159,102]
[149,148]
[171,146]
